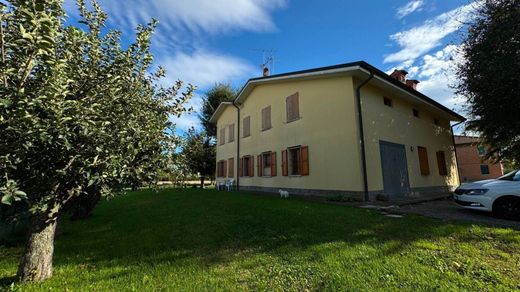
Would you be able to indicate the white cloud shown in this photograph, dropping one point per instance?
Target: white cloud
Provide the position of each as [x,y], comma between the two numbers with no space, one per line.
[420,40]
[203,69]
[410,7]
[194,15]
[437,73]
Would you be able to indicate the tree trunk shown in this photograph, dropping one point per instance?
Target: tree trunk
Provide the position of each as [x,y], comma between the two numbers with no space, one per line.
[36,262]
[201,182]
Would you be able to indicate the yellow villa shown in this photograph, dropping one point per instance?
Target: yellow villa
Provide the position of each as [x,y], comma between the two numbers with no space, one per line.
[347,129]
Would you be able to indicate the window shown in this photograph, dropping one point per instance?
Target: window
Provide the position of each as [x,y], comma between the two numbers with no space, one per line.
[231,133]
[247,126]
[416,113]
[266,164]
[484,169]
[512,176]
[295,161]
[423,160]
[481,150]
[231,167]
[436,122]
[246,166]
[293,107]
[387,101]
[441,162]
[222,137]
[221,168]
[266,118]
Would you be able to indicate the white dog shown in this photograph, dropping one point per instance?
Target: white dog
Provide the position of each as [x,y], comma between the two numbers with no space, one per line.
[283,194]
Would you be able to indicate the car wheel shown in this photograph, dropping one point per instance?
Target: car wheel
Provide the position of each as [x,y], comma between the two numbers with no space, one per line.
[507,208]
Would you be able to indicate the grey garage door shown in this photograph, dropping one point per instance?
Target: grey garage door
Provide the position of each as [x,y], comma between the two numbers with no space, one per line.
[395,170]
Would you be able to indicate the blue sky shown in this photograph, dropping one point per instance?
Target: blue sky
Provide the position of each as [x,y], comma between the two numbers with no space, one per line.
[209,41]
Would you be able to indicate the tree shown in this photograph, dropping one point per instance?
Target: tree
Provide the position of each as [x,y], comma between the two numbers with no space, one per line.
[199,152]
[490,76]
[79,115]
[219,93]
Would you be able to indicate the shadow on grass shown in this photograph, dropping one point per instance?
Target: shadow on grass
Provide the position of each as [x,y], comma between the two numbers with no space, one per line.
[210,228]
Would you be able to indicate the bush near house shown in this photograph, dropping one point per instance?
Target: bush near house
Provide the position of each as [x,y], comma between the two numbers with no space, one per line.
[195,239]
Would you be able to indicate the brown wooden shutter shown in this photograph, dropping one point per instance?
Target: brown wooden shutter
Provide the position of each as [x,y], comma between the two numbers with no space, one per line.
[231,167]
[292,107]
[224,168]
[259,165]
[289,109]
[268,118]
[273,163]
[423,160]
[251,166]
[241,167]
[285,171]
[441,162]
[304,161]
[247,126]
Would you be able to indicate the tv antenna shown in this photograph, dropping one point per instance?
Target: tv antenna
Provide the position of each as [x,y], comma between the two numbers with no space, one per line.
[268,60]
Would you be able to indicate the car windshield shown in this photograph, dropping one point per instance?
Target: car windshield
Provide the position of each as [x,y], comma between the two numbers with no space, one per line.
[513,176]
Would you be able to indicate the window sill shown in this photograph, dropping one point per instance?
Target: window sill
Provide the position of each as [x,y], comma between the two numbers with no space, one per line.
[293,120]
[267,129]
[294,175]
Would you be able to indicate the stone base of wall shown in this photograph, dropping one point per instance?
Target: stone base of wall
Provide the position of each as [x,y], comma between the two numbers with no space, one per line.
[354,195]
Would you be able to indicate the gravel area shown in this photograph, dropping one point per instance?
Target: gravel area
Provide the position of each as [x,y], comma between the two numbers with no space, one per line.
[448,210]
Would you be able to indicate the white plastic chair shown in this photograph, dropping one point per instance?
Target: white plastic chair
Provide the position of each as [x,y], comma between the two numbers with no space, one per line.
[220,185]
[230,184]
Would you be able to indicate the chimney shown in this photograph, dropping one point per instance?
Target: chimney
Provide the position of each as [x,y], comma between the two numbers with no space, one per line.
[266,72]
[399,75]
[412,83]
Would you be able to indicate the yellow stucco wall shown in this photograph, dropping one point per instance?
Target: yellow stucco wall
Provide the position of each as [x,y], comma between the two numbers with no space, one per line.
[328,125]
[397,124]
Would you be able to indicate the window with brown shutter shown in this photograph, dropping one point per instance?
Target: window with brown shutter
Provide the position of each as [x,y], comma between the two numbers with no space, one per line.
[292,107]
[222,138]
[247,166]
[266,118]
[273,163]
[296,161]
[241,167]
[231,167]
[423,160]
[285,171]
[441,162]
[247,126]
[231,133]
[221,168]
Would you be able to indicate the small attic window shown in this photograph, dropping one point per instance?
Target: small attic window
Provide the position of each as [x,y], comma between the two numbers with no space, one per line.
[415,112]
[436,122]
[387,101]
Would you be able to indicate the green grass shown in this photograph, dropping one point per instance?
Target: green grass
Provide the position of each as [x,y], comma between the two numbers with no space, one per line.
[206,240]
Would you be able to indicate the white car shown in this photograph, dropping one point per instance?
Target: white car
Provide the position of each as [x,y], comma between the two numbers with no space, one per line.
[500,196]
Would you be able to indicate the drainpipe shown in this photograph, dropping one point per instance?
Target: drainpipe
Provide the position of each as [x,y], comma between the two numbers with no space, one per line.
[362,137]
[455,149]
[238,145]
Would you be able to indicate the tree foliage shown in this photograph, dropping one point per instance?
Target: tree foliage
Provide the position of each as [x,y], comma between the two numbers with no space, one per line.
[199,152]
[219,93]
[490,76]
[78,114]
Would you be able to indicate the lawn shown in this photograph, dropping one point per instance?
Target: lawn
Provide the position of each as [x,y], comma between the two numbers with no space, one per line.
[207,240]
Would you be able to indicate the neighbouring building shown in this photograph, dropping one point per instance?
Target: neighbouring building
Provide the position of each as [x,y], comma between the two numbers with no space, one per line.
[473,165]
[306,132]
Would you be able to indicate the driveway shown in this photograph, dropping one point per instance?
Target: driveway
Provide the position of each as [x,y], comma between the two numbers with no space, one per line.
[448,210]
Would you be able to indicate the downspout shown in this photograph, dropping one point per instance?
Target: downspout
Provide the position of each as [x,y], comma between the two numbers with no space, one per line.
[362,137]
[238,145]
[455,149]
